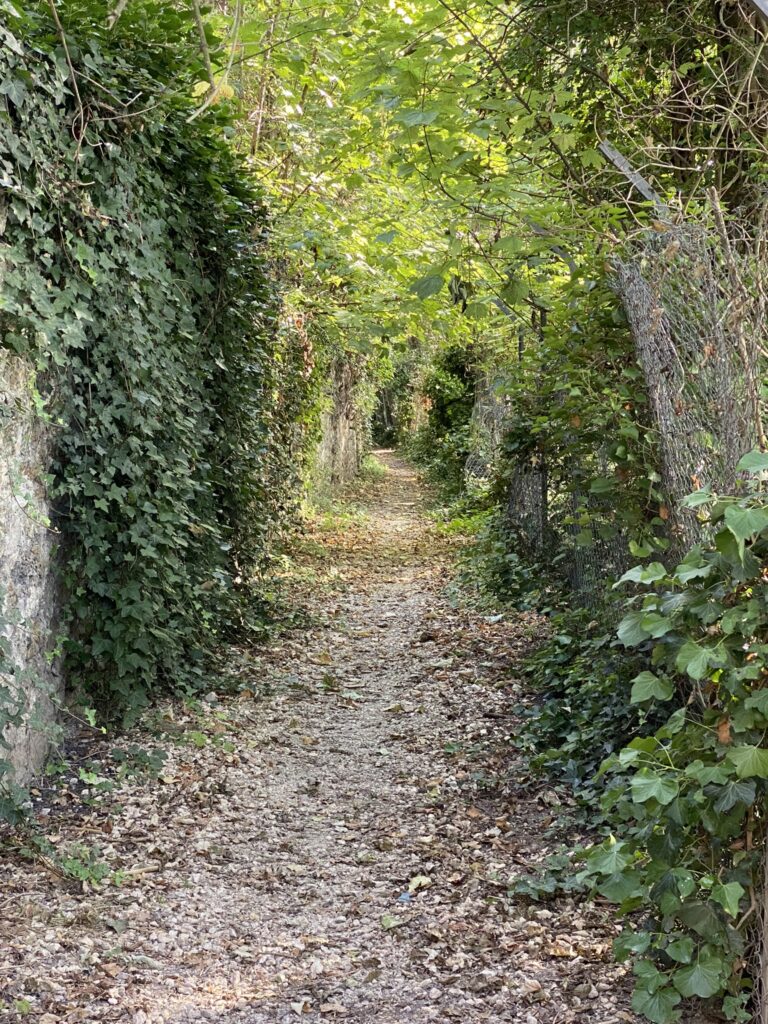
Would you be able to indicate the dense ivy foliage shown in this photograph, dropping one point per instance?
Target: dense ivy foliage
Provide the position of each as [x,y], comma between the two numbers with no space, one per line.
[691,797]
[134,276]
[441,443]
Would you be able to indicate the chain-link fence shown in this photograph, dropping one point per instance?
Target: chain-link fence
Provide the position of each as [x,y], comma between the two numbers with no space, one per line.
[486,427]
[695,303]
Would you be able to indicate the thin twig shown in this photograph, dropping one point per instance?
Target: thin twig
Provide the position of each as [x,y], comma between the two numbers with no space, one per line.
[71,66]
[204,44]
[215,89]
[118,10]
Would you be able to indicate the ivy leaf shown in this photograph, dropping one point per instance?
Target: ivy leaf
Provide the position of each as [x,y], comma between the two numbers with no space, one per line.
[648,686]
[734,552]
[664,845]
[621,886]
[653,572]
[649,976]
[692,570]
[729,896]
[658,1006]
[759,701]
[750,761]
[681,950]
[734,793]
[705,774]
[648,785]
[630,942]
[703,979]
[702,918]
[609,858]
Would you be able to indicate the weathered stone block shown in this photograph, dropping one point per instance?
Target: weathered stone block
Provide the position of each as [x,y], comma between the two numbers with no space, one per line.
[28,589]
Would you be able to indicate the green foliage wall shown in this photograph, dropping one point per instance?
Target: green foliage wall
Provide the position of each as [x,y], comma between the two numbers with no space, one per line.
[134,275]
[441,444]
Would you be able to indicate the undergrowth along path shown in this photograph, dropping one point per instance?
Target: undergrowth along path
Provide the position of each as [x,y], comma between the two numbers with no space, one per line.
[334,842]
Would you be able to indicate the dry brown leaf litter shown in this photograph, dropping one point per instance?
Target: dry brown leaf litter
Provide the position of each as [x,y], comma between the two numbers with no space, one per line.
[338,850]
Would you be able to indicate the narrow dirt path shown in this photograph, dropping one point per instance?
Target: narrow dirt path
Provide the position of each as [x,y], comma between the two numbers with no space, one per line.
[333,842]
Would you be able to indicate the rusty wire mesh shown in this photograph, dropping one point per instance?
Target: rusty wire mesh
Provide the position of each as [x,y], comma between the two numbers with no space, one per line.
[695,304]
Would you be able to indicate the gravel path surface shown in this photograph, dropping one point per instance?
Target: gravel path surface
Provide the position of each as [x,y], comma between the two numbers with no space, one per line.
[331,843]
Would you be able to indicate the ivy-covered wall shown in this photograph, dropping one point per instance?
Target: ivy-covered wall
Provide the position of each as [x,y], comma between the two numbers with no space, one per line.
[133,280]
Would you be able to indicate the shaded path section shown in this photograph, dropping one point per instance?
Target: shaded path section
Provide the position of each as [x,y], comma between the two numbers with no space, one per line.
[333,842]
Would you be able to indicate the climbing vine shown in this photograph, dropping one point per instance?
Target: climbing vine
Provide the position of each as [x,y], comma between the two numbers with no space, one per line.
[135,278]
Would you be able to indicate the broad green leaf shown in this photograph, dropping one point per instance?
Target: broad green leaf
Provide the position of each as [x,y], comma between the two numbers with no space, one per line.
[648,785]
[651,573]
[735,552]
[591,158]
[621,886]
[758,701]
[648,686]
[511,243]
[703,979]
[609,857]
[687,571]
[603,485]
[705,774]
[630,942]
[703,497]
[648,974]
[745,522]
[631,575]
[656,625]
[686,884]
[750,761]
[702,918]
[695,659]
[631,632]
[753,462]
[515,291]
[664,845]
[415,118]
[427,286]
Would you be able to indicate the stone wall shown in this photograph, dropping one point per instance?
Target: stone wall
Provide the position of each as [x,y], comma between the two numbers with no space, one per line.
[28,593]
